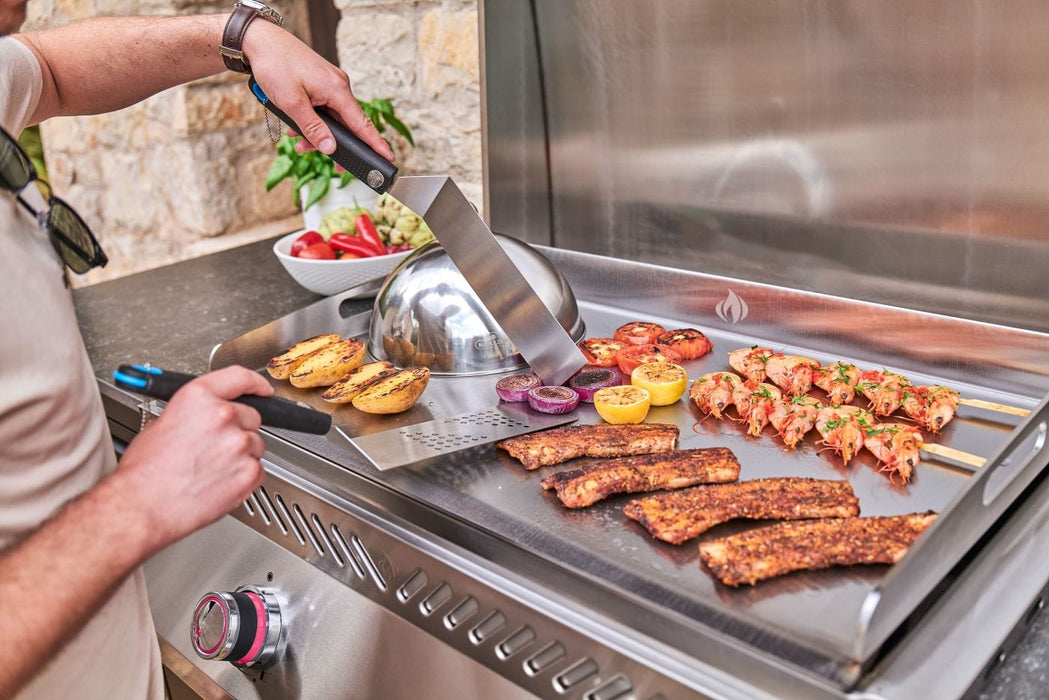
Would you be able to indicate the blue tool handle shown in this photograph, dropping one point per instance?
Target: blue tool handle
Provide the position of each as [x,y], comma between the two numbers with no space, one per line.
[353,154]
[276,412]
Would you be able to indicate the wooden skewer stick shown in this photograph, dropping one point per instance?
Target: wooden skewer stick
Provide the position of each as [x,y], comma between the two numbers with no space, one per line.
[957,455]
[991,406]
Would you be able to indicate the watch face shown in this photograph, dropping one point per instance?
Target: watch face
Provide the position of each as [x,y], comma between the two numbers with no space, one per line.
[263,9]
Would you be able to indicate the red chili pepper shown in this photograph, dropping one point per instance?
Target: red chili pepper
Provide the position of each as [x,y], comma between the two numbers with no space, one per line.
[306,239]
[353,245]
[366,230]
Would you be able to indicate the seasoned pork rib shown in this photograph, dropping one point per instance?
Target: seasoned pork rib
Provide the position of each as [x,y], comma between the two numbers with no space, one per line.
[578,488]
[755,555]
[559,445]
[681,515]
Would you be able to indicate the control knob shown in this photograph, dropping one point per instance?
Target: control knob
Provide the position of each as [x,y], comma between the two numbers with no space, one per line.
[242,627]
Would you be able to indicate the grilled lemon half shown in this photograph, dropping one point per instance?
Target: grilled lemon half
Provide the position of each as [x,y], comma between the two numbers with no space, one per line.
[665,381]
[622,404]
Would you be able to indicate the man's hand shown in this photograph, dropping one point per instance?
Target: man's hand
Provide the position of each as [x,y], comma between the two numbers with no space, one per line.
[199,459]
[297,79]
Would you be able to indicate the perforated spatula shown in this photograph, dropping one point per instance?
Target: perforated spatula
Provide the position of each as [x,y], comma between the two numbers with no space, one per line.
[498,283]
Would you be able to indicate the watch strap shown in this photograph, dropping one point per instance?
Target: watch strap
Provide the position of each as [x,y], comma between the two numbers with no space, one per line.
[232,44]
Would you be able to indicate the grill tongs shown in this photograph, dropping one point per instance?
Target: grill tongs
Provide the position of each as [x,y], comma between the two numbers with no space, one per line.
[276,412]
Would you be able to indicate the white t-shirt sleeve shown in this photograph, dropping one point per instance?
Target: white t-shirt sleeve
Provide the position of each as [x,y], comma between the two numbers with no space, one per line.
[20,84]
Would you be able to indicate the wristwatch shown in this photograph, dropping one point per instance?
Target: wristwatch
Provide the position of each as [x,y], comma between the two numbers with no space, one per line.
[244,12]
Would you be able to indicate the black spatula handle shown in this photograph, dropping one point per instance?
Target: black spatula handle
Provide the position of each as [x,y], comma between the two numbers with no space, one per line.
[353,154]
[276,412]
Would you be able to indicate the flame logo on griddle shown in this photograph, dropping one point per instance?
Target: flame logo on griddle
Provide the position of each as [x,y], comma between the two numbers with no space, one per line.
[731,309]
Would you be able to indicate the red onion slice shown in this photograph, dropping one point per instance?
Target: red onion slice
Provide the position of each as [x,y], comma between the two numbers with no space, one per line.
[553,399]
[588,380]
[516,386]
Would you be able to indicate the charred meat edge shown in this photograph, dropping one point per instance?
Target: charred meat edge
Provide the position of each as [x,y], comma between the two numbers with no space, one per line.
[676,469]
[766,552]
[681,515]
[559,445]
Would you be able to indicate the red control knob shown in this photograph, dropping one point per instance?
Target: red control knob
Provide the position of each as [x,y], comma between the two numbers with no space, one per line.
[242,627]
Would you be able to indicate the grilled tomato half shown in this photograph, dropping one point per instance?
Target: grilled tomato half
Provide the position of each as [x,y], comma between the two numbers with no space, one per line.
[634,355]
[691,343]
[638,333]
[601,352]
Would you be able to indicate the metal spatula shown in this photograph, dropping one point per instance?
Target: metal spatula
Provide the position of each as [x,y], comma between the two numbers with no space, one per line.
[498,283]
[399,447]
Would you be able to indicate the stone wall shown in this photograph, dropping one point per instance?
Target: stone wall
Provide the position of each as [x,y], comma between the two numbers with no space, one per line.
[181,174]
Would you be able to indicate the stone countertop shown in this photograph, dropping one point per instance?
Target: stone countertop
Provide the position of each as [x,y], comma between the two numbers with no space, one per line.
[173,316]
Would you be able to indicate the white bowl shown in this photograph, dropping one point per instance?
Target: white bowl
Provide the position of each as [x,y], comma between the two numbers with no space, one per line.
[329,277]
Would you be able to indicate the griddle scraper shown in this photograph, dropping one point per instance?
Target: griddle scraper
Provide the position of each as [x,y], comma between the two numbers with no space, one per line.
[399,447]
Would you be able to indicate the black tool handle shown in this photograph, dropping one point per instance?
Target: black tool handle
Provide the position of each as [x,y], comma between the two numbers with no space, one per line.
[353,154]
[276,412]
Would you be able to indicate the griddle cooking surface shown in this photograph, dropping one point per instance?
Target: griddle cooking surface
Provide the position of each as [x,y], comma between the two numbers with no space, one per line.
[804,617]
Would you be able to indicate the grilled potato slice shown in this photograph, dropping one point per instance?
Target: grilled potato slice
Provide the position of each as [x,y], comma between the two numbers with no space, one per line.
[281,366]
[329,364]
[357,381]
[395,393]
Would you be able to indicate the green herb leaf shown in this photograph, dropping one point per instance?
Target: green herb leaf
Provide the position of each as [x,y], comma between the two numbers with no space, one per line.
[318,188]
[400,128]
[278,171]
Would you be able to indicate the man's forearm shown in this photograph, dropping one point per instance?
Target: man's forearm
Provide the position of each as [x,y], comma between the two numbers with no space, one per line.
[52,582]
[100,65]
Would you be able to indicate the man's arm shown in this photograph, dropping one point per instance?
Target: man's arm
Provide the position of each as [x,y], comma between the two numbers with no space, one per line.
[104,64]
[187,469]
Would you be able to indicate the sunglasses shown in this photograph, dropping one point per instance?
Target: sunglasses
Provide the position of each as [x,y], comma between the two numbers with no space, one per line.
[72,239]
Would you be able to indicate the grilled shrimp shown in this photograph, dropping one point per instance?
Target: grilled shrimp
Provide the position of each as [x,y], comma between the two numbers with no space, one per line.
[750,362]
[931,406]
[838,380]
[712,392]
[791,373]
[792,418]
[842,430]
[896,446]
[884,389]
[754,401]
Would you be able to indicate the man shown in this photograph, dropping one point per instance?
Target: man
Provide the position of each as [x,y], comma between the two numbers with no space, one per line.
[74,526]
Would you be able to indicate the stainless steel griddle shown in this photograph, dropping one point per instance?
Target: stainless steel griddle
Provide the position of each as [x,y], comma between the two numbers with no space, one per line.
[832,627]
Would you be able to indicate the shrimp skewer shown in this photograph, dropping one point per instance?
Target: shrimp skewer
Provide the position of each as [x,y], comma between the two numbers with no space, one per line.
[884,389]
[931,406]
[896,446]
[791,373]
[841,430]
[751,362]
[753,402]
[838,380]
[793,418]
[713,392]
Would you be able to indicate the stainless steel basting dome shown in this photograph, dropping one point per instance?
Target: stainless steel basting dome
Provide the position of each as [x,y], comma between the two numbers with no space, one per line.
[427,314]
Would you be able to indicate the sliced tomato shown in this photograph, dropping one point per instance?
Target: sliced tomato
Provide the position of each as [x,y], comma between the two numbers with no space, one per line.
[633,355]
[687,341]
[601,351]
[638,333]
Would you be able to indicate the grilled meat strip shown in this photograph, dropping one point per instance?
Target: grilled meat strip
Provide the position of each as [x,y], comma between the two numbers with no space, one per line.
[559,445]
[764,552]
[681,515]
[676,469]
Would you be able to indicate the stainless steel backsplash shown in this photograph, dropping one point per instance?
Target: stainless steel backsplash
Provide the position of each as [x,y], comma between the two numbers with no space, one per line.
[896,151]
